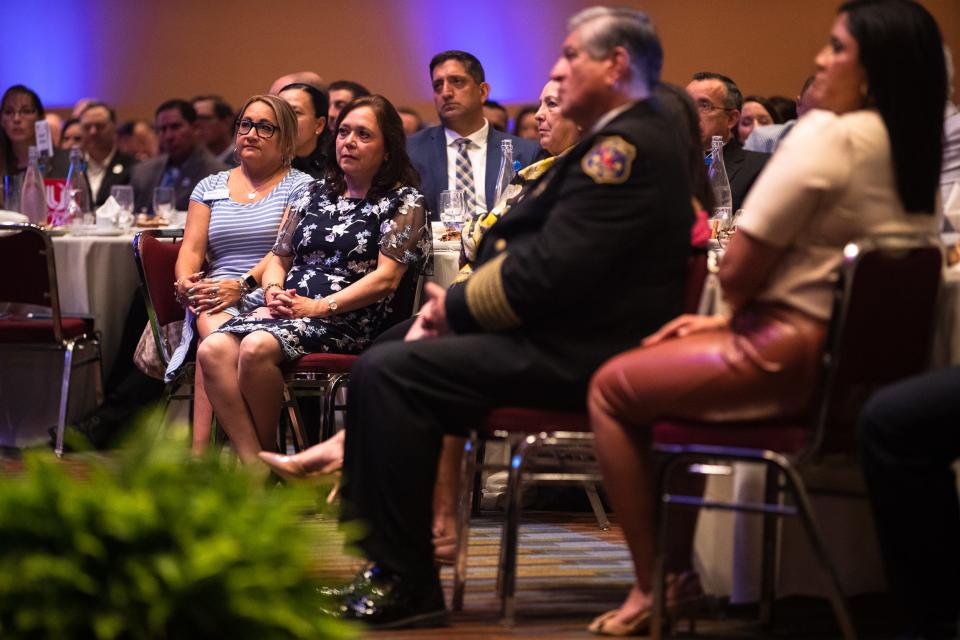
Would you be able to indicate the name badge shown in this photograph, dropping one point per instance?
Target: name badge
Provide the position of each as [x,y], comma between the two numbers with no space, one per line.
[217,194]
[44,141]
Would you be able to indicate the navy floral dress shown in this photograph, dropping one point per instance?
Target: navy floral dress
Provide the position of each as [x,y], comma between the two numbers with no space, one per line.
[335,241]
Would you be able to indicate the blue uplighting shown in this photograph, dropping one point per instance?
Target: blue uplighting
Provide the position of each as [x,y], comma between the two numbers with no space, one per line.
[517,42]
[47,46]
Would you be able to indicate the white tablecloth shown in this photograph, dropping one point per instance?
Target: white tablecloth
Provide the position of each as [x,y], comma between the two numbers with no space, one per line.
[98,278]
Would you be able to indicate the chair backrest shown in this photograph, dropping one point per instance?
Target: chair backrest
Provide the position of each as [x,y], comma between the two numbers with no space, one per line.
[882,328]
[401,307]
[156,260]
[26,256]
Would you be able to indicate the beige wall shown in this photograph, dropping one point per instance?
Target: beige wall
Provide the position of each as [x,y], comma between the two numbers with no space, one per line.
[151,50]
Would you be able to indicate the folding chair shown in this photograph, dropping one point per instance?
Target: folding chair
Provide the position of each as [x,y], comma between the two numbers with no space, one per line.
[323,375]
[547,447]
[155,251]
[31,318]
[881,330]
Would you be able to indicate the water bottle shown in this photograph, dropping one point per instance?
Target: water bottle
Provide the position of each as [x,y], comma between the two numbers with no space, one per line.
[723,206]
[33,197]
[506,173]
[76,190]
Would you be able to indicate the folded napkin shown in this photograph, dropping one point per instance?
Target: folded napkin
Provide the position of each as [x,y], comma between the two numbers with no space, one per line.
[107,213]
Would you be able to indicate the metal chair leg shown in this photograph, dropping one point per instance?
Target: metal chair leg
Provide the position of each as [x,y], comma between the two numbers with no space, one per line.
[511,531]
[768,558]
[597,505]
[467,490]
[795,485]
[64,397]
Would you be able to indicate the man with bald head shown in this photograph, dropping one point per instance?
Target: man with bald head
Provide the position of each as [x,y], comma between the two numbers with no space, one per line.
[306,77]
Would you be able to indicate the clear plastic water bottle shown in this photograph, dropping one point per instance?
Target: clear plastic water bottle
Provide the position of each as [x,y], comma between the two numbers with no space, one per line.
[506,173]
[76,191]
[723,205]
[33,197]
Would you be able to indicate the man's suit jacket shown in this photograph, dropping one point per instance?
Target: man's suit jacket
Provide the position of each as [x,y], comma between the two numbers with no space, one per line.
[595,257]
[146,175]
[428,152]
[743,167]
[118,172]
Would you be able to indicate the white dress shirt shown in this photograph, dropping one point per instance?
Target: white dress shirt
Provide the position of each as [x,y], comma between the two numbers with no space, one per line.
[96,171]
[477,152]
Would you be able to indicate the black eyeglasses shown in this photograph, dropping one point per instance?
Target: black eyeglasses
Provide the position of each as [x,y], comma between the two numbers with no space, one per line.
[705,106]
[265,130]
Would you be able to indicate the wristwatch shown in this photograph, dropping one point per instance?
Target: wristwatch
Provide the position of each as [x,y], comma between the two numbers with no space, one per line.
[332,303]
[248,284]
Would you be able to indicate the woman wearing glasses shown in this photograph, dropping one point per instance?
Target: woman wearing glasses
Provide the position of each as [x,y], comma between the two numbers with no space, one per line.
[232,222]
[346,243]
[20,110]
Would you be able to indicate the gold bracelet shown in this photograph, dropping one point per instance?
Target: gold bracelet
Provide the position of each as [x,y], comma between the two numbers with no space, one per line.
[267,287]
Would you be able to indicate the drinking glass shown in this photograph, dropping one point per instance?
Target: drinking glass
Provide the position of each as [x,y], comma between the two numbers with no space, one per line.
[727,227]
[10,192]
[163,202]
[123,194]
[452,206]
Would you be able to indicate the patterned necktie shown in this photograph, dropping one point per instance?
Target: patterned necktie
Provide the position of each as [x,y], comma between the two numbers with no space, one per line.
[465,175]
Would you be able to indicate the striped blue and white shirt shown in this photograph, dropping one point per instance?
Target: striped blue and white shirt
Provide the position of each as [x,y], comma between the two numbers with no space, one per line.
[241,233]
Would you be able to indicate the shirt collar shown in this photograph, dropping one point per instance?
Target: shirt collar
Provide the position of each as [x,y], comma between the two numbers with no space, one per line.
[478,137]
[606,118]
[106,161]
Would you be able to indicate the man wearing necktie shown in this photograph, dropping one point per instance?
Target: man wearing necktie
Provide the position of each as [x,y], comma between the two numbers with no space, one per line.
[463,152]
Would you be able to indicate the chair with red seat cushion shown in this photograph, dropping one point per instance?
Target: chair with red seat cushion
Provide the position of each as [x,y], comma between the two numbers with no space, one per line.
[31,317]
[547,447]
[881,331]
[323,375]
[155,251]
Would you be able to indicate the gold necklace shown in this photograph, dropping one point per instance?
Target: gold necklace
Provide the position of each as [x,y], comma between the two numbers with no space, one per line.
[255,190]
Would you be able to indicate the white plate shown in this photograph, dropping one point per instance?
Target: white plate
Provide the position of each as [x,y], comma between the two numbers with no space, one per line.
[96,231]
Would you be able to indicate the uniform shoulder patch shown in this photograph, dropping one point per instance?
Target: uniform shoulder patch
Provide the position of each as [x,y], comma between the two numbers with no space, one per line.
[609,160]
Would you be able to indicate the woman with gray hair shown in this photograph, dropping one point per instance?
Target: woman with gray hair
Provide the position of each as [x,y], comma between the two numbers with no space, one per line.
[232,223]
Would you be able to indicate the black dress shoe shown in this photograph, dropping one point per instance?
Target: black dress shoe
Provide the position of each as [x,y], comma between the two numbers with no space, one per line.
[387,600]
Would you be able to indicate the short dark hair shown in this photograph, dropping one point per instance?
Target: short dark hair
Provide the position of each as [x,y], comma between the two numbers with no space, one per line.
[468,60]
[733,98]
[185,108]
[318,97]
[357,89]
[766,104]
[901,50]
[530,108]
[413,112]
[493,104]
[102,105]
[396,167]
[784,108]
[221,108]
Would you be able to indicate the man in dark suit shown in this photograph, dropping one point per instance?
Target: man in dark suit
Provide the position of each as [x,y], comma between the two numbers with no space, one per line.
[106,166]
[719,100]
[561,285]
[459,91]
[183,161]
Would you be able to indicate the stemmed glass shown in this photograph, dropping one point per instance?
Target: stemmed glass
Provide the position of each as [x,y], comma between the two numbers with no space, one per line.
[123,194]
[163,202]
[452,206]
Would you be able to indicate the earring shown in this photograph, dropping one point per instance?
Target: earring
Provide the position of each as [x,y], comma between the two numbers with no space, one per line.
[864,91]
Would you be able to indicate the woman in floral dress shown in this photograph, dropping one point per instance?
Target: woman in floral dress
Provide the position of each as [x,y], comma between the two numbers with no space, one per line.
[342,250]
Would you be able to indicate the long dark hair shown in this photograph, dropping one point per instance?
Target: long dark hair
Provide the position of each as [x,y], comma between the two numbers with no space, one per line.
[396,168]
[674,102]
[901,51]
[8,159]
